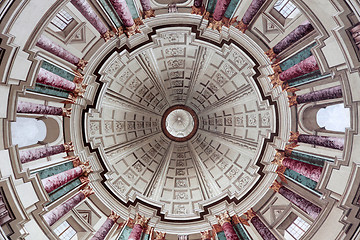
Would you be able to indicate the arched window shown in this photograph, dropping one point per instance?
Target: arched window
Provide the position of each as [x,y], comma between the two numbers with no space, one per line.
[334,118]
[27,131]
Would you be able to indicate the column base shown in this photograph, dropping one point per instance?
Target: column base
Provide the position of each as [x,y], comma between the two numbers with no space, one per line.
[242,26]
[215,25]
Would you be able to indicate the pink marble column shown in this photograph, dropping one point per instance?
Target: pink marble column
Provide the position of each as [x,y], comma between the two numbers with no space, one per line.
[51,79]
[220,9]
[324,141]
[306,66]
[260,227]
[86,10]
[53,182]
[46,44]
[148,12]
[123,11]
[296,199]
[250,14]
[140,224]
[105,228]
[33,108]
[324,94]
[55,214]
[224,221]
[290,39]
[29,155]
[305,169]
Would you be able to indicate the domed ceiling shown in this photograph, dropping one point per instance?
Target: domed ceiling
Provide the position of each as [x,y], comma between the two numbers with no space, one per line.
[223,81]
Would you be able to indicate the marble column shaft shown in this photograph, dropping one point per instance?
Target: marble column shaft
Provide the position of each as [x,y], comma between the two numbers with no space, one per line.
[330,142]
[229,231]
[324,94]
[55,214]
[299,32]
[29,155]
[86,10]
[220,9]
[103,230]
[306,66]
[252,11]
[123,11]
[301,202]
[51,79]
[53,182]
[146,6]
[55,49]
[307,170]
[136,232]
[197,3]
[262,229]
[33,108]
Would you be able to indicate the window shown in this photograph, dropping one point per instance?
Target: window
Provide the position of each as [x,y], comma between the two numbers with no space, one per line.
[62,19]
[65,231]
[334,118]
[286,8]
[27,131]
[296,229]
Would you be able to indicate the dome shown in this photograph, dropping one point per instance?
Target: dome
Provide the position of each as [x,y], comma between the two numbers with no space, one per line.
[142,119]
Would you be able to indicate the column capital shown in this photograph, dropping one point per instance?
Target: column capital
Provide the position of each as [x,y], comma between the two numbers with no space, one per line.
[276,68]
[216,228]
[292,100]
[205,235]
[215,25]
[107,35]
[276,186]
[86,169]
[113,216]
[280,172]
[206,15]
[149,230]
[80,89]
[148,14]
[289,148]
[81,64]
[87,191]
[160,235]
[66,112]
[69,147]
[132,30]
[141,220]
[250,214]
[294,136]
[270,53]
[197,10]
[236,220]
[223,218]
[79,78]
[275,80]
[242,26]
[279,157]
[229,22]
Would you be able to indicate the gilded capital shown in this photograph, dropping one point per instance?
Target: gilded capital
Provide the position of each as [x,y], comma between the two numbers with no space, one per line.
[113,216]
[87,191]
[275,80]
[138,21]
[242,26]
[66,112]
[294,137]
[215,25]
[79,78]
[148,14]
[205,235]
[292,100]
[270,53]
[276,68]
[250,214]
[80,89]
[206,15]
[141,220]
[86,169]
[216,228]
[132,30]
[223,218]
[289,148]
[276,186]
[160,235]
[81,64]
[107,35]
[197,11]
[279,157]
[229,22]
[69,147]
